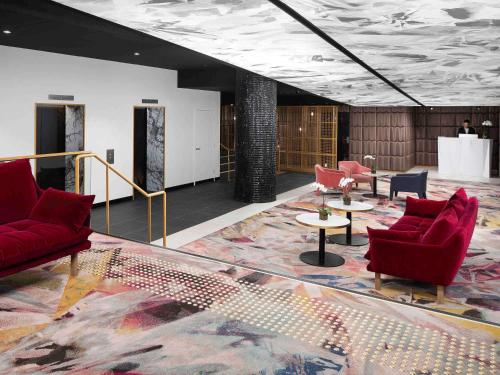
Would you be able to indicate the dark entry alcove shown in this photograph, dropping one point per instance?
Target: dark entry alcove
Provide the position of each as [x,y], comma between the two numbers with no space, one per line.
[50,138]
[140,146]
[149,148]
[58,128]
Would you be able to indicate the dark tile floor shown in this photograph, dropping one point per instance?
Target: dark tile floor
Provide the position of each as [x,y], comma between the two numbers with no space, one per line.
[186,206]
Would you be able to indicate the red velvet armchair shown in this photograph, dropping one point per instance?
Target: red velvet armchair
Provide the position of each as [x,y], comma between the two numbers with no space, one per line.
[354,170]
[427,244]
[330,178]
[39,226]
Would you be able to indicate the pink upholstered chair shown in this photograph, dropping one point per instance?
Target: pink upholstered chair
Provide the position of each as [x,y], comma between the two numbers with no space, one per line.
[328,177]
[354,170]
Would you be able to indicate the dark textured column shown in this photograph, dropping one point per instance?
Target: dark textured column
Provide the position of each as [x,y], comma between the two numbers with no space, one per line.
[255,145]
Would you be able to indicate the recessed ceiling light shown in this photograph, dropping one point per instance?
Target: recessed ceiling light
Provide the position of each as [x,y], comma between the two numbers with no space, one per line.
[7,32]
[137,54]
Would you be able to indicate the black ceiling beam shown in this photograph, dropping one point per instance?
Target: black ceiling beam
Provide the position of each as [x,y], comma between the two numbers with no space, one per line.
[305,22]
[214,79]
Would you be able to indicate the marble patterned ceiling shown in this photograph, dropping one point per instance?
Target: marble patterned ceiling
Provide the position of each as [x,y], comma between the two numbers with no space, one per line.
[441,52]
[254,35]
[437,51]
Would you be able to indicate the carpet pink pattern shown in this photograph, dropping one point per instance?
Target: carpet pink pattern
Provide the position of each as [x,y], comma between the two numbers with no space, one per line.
[272,241]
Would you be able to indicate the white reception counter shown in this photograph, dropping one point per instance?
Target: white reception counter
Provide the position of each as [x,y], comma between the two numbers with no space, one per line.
[467,158]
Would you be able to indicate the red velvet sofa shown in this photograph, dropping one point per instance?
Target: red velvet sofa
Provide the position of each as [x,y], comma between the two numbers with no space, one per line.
[427,244]
[39,226]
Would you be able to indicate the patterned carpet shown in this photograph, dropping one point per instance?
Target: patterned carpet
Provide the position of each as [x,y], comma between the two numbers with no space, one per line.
[139,309]
[273,240]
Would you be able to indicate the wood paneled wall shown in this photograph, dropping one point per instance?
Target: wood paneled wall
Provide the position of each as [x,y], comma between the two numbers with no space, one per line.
[386,132]
[307,136]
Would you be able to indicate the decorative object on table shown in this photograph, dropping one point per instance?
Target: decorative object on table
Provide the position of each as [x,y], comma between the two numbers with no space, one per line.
[322,258]
[428,244]
[409,183]
[346,185]
[328,177]
[355,170]
[485,125]
[323,211]
[373,165]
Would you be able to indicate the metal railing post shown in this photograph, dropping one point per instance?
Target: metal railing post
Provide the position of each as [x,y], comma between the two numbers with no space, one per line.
[107,200]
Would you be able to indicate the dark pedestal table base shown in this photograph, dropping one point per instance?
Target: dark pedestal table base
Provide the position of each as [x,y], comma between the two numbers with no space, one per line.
[348,238]
[322,258]
[331,260]
[342,239]
[374,194]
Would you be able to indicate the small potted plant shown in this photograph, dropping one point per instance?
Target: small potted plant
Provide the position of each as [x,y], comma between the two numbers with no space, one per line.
[486,124]
[323,211]
[346,184]
[373,164]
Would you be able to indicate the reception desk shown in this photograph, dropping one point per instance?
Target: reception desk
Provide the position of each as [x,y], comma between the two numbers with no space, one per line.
[464,158]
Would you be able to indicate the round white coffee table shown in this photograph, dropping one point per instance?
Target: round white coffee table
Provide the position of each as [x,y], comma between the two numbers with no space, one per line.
[374,176]
[321,257]
[348,238]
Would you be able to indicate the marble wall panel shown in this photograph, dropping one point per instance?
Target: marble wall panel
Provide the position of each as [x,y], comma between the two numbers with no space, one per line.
[155,149]
[74,141]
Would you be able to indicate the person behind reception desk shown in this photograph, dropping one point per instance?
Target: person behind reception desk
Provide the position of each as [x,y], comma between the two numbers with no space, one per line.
[466,128]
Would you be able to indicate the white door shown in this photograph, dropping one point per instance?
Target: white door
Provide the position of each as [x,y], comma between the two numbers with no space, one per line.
[205,144]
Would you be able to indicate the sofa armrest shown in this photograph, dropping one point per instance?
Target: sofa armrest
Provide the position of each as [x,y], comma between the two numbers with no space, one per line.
[436,264]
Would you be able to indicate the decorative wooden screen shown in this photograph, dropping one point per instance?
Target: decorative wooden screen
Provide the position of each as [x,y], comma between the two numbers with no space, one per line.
[307,136]
[227,126]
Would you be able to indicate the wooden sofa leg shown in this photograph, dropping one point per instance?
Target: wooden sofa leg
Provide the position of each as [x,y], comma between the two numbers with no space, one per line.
[74,265]
[440,294]
[378,281]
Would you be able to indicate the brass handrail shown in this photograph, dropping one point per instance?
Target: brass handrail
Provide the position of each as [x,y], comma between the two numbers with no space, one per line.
[85,154]
[147,195]
[41,156]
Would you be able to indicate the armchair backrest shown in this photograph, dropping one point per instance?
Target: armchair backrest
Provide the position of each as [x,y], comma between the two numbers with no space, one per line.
[328,177]
[352,166]
[423,179]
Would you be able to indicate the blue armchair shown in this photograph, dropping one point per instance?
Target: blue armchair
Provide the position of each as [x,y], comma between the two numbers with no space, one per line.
[409,183]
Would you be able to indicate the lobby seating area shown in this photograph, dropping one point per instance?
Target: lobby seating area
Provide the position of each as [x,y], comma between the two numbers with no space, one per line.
[270,187]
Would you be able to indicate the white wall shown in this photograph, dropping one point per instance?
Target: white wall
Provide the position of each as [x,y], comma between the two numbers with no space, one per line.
[109,91]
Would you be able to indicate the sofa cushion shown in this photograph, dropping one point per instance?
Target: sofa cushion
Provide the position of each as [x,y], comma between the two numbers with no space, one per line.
[412,223]
[442,228]
[25,240]
[423,207]
[458,201]
[61,207]
[18,193]
[393,235]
